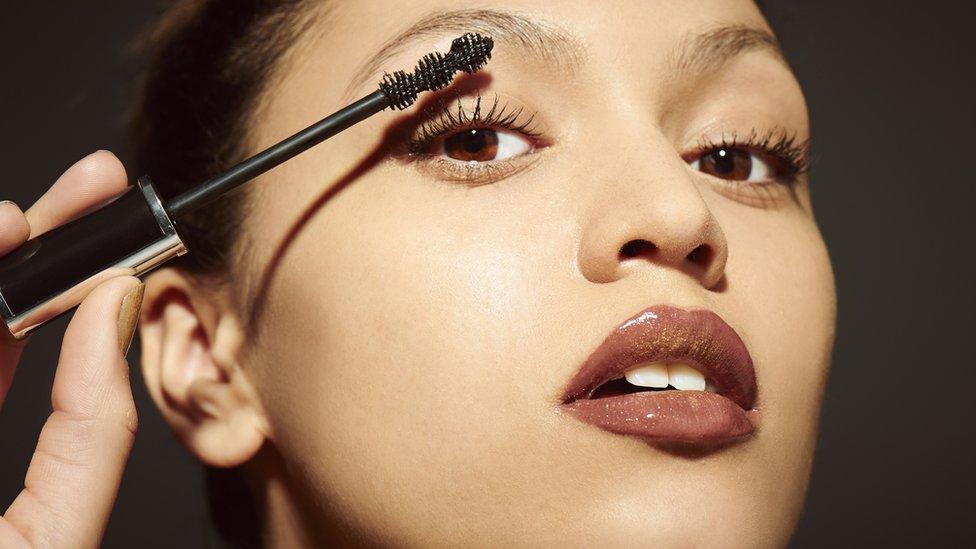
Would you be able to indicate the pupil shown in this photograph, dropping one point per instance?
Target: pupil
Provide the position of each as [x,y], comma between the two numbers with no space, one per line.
[475,141]
[724,161]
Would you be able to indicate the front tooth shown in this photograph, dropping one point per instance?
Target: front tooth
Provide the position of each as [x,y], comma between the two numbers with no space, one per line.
[649,375]
[685,378]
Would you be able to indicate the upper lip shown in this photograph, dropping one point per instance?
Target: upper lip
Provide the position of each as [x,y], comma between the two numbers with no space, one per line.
[666,334]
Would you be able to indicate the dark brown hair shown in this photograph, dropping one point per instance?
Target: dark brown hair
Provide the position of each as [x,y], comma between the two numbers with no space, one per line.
[208,64]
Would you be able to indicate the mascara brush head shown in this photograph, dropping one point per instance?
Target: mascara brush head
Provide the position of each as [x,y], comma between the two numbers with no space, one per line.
[434,71]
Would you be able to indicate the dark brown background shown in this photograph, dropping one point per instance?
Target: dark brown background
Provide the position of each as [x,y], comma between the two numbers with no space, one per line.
[890,84]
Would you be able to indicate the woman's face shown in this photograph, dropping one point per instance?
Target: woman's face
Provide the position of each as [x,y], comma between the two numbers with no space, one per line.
[425,294]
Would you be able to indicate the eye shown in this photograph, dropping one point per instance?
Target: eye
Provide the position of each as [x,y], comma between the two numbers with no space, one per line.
[734,165]
[475,142]
[477,145]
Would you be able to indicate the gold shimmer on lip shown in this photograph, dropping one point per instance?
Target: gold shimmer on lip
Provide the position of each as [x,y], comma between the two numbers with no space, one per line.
[672,340]
[679,341]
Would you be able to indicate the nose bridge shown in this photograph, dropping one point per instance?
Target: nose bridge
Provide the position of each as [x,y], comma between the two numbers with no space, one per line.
[647,210]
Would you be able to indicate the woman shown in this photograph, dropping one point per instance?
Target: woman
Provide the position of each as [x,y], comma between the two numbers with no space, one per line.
[577,299]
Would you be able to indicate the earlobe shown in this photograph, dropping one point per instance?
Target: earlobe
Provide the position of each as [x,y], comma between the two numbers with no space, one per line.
[191,341]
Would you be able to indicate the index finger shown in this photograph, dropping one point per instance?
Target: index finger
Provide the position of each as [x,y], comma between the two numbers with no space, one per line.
[88,183]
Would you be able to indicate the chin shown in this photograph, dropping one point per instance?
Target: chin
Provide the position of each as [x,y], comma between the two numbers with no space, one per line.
[697,511]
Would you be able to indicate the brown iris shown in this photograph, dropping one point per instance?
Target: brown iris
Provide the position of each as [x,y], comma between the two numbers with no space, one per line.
[731,164]
[478,145]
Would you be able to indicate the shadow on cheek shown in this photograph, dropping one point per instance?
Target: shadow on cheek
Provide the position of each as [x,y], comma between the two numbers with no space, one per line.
[395,135]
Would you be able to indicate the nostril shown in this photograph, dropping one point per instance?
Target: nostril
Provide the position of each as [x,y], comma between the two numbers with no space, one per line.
[636,248]
[702,255]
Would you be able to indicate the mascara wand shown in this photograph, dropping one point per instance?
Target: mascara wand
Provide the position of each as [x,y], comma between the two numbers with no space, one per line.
[399,90]
[51,274]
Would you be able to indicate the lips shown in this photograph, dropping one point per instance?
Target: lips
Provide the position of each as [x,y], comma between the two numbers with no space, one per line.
[688,344]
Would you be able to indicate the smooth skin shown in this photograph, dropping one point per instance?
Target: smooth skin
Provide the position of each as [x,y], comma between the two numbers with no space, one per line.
[386,360]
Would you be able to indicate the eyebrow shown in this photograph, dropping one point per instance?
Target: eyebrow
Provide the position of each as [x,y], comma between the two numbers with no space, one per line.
[711,49]
[697,52]
[546,42]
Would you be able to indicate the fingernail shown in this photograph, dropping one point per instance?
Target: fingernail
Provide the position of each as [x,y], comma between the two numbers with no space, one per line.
[9,202]
[129,316]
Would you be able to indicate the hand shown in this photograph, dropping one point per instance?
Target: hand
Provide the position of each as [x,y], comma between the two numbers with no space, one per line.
[74,476]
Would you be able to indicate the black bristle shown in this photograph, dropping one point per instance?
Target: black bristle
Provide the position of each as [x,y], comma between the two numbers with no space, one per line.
[400,89]
[434,71]
[471,52]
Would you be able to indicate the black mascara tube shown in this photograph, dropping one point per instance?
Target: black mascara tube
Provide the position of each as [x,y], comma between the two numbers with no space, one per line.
[53,272]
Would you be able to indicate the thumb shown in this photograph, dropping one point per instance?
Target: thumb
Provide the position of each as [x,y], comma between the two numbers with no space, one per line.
[75,473]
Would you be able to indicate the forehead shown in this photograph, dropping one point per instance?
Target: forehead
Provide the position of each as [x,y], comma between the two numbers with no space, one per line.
[370,36]
[589,18]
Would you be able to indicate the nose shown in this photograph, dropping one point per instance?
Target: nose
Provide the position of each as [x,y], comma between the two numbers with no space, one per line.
[653,220]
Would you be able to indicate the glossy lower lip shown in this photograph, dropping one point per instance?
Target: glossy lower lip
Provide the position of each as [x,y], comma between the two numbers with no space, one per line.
[670,334]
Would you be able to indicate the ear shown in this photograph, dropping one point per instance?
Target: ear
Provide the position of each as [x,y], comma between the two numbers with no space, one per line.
[191,342]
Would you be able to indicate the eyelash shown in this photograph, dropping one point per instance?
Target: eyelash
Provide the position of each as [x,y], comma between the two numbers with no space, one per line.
[443,120]
[790,155]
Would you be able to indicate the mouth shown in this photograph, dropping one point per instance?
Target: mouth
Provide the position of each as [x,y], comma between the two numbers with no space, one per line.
[668,375]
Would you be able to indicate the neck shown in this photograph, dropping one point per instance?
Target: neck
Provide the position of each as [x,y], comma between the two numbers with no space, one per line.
[290,515]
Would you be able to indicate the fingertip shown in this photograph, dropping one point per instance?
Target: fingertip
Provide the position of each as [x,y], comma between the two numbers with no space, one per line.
[113,291]
[87,183]
[92,377]
[103,165]
[96,177]
[95,324]
[14,228]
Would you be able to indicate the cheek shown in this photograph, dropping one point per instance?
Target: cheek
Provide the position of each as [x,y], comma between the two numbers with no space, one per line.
[779,274]
[404,338]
